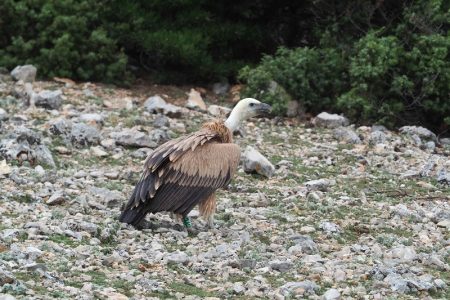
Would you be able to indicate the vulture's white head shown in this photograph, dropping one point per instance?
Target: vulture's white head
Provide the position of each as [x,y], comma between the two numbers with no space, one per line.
[244,109]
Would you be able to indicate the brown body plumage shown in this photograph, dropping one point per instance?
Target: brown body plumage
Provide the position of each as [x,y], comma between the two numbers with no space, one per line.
[183,173]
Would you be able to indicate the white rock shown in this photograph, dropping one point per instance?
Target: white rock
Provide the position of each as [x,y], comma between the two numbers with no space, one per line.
[346,135]
[156,104]
[3,114]
[404,253]
[256,162]
[57,198]
[444,224]
[177,257]
[7,297]
[299,288]
[329,227]
[108,143]
[26,73]
[98,151]
[48,99]
[133,138]
[195,100]
[33,253]
[238,288]
[332,294]
[327,120]
[397,283]
[39,170]
[218,111]
[422,132]
[5,169]
[319,184]
[92,118]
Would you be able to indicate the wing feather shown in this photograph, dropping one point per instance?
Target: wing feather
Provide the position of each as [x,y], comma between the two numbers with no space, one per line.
[180,174]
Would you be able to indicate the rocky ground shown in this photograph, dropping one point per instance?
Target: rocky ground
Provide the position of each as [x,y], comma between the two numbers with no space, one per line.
[347,212]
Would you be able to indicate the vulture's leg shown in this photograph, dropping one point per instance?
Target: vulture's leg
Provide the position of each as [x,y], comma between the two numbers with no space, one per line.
[210,221]
[207,208]
[179,221]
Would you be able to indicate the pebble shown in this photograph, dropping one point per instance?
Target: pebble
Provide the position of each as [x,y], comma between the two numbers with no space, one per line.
[57,198]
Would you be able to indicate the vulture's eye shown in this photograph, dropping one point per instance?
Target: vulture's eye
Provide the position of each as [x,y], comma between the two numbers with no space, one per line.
[252,104]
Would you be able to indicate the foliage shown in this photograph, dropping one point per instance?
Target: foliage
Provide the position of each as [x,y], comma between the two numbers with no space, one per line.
[61,37]
[313,76]
[393,71]
[188,40]
[376,61]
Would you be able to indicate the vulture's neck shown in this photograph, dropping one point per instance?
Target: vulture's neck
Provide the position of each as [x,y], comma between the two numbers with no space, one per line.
[234,120]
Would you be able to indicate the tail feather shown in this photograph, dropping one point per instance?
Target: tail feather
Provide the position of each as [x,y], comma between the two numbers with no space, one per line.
[136,208]
[132,216]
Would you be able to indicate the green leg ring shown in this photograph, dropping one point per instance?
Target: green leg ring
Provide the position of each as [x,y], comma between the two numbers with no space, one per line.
[187,222]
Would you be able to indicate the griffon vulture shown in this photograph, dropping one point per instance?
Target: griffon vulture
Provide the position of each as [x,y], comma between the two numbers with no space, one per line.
[186,171]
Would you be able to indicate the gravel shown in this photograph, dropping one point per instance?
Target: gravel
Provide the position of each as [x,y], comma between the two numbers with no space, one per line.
[333,220]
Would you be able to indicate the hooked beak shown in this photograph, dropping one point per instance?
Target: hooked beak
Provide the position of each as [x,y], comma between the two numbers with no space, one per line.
[264,108]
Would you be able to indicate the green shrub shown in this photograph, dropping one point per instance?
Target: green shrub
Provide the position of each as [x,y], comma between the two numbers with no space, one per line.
[61,37]
[313,76]
[391,84]
[187,40]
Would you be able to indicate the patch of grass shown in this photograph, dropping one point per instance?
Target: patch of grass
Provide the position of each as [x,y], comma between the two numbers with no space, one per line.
[65,240]
[113,185]
[23,236]
[190,290]
[386,240]
[57,214]
[38,288]
[123,286]
[22,198]
[160,295]
[58,294]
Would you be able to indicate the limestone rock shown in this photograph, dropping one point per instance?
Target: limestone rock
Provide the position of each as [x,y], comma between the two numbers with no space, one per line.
[133,138]
[177,257]
[48,99]
[256,162]
[319,184]
[421,132]
[281,266]
[332,294]
[306,287]
[219,111]
[82,135]
[57,198]
[26,73]
[327,120]
[195,101]
[92,118]
[5,169]
[221,88]
[156,104]
[346,135]
[3,114]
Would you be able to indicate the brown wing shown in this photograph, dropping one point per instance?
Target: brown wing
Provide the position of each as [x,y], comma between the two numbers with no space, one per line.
[180,174]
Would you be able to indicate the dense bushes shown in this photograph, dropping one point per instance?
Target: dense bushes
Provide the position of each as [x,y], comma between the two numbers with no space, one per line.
[62,37]
[174,41]
[314,76]
[376,61]
[394,74]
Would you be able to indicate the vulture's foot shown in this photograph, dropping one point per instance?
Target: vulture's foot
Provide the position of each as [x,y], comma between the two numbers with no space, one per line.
[192,231]
[144,224]
[210,222]
[178,227]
